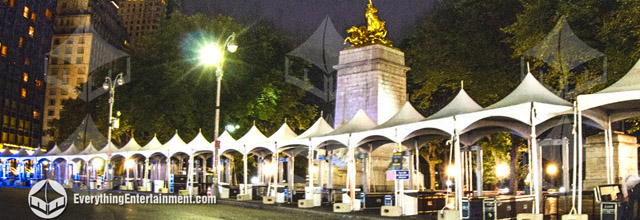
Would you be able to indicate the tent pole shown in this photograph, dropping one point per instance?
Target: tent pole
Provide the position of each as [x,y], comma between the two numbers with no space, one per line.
[537,178]
[580,167]
[611,151]
[606,150]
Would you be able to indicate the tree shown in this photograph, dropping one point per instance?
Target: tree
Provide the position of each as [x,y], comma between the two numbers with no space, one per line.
[432,152]
[169,90]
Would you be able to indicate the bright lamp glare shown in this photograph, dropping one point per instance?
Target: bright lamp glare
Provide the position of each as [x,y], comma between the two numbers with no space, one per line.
[129,164]
[451,170]
[231,128]
[210,54]
[552,169]
[502,170]
[97,164]
[254,180]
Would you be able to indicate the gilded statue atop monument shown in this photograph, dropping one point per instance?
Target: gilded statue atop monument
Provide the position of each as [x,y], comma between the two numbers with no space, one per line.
[373,33]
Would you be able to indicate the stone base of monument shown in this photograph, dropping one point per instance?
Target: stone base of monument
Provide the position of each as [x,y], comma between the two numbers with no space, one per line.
[269,200]
[529,216]
[305,203]
[342,207]
[625,158]
[449,215]
[575,217]
[391,211]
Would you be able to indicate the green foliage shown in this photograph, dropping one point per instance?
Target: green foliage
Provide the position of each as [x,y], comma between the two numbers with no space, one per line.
[461,40]
[169,90]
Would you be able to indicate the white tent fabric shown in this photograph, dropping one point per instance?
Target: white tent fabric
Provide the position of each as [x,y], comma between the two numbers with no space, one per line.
[38,152]
[251,139]
[517,106]
[54,151]
[319,128]
[359,123]
[199,143]
[283,134]
[72,150]
[6,152]
[127,149]
[227,143]
[176,145]
[620,100]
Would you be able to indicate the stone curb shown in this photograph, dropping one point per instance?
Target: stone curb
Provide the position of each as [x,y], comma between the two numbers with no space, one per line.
[330,215]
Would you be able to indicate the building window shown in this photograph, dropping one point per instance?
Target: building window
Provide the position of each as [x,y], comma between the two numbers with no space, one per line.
[23,93]
[38,83]
[64,92]
[56,41]
[78,60]
[69,40]
[67,60]
[33,17]
[65,71]
[31,30]
[26,61]
[65,80]
[80,50]
[54,60]
[47,13]
[11,3]
[81,40]
[36,114]
[52,91]
[52,102]
[3,50]
[20,41]
[67,50]
[25,77]
[26,12]
[51,112]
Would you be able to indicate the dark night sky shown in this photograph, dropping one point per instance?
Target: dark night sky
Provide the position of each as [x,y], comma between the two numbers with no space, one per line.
[300,18]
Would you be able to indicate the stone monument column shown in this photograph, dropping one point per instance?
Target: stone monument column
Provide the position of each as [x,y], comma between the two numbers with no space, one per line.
[371,78]
[625,159]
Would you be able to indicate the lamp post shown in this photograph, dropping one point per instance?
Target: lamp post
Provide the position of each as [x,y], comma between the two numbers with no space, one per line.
[209,55]
[110,85]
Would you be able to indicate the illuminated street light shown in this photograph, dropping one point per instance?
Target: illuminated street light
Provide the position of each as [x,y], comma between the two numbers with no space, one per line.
[129,163]
[502,170]
[232,128]
[211,54]
[110,85]
[552,169]
[451,170]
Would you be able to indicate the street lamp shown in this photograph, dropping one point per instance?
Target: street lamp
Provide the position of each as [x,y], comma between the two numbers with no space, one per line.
[110,85]
[211,54]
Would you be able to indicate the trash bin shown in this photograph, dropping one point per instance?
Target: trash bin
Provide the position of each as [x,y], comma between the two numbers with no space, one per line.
[313,193]
[410,202]
[280,194]
[224,190]
[157,185]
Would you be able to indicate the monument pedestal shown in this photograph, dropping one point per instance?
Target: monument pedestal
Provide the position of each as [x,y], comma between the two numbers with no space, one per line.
[625,159]
[372,78]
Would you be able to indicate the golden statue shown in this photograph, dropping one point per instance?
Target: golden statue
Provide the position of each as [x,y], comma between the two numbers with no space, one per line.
[373,33]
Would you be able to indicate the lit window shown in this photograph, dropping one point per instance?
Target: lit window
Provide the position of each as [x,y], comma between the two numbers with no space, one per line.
[36,114]
[20,40]
[38,83]
[26,61]
[31,30]
[25,77]
[33,16]
[23,93]
[3,51]
[47,13]
[26,12]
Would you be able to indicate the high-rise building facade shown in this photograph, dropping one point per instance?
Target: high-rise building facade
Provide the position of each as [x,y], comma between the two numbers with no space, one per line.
[26,27]
[142,17]
[88,36]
